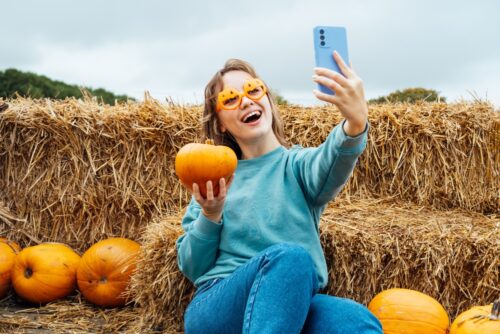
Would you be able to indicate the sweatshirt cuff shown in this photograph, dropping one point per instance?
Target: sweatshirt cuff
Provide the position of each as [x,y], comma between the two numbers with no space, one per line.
[348,144]
[206,228]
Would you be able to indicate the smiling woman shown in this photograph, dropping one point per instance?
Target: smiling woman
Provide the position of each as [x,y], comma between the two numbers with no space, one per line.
[242,86]
[254,247]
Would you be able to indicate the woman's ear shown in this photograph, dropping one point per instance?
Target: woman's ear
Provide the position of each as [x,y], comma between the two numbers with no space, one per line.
[222,128]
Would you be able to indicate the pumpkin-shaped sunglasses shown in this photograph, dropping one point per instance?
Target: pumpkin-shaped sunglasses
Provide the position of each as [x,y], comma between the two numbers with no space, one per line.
[230,98]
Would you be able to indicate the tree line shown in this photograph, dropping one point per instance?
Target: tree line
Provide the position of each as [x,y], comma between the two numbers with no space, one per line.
[32,85]
[14,82]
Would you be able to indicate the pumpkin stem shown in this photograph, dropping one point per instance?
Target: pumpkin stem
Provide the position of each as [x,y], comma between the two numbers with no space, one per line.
[28,272]
[209,142]
[495,310]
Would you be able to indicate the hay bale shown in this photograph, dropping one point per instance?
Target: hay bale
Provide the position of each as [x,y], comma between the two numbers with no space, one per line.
[157,286]
[443,155]
[78,171]
[370,245]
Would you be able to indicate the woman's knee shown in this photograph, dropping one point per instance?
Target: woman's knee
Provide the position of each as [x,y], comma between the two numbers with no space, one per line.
[289,252]
[329,314]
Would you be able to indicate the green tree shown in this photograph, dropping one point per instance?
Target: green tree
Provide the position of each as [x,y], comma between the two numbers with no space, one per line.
[36,86]
[410,95]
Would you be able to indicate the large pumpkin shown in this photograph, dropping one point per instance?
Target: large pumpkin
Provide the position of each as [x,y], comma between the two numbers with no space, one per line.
[8,251]
[199,163]
[45,272]
[409,312]
[105,270]
[477,320]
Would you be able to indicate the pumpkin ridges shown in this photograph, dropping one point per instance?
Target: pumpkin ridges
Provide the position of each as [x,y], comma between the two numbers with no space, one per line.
[53,272]
[120,259]
[475,320]
[199,163]
[409,311]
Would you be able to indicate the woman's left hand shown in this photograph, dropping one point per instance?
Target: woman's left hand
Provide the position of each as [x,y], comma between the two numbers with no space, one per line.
[349,94]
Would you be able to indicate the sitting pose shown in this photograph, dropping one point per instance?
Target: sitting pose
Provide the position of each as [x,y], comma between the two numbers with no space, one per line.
[253,251]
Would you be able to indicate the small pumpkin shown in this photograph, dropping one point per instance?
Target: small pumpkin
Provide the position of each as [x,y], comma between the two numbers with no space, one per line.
[409,312]
[8,251]
[199,163]
[105,270]
[478,320]
[45,272]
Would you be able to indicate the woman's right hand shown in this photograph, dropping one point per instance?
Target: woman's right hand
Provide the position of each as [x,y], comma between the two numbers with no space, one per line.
[212,206]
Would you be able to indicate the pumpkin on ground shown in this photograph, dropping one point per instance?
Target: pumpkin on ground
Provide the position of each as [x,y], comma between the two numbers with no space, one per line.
[409,312]
[105,269]
[12,244]
[478,320]
[8,251]
[199,163]
[45,272]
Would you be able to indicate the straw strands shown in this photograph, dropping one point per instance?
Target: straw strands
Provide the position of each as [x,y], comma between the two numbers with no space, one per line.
[67,316]
[433,154]
[420,211]
[78,171]
[370,245]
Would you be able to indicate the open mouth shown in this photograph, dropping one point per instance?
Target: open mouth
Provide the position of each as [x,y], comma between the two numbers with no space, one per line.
[252,116]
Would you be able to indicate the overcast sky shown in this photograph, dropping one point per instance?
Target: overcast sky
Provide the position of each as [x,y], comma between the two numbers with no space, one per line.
[172,48]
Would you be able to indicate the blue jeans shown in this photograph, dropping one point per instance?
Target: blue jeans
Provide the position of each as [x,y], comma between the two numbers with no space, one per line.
[274,292]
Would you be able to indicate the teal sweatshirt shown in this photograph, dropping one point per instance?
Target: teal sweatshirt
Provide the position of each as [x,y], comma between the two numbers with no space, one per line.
[277,197]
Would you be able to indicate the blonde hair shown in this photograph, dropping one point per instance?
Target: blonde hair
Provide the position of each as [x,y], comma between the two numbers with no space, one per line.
[211,126]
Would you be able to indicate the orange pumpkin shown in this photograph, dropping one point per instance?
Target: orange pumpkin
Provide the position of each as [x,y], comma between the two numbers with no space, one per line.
[199,163]
[477,320]
[8,251]
[45,272]
[105,270]
[409,312]
[12,244]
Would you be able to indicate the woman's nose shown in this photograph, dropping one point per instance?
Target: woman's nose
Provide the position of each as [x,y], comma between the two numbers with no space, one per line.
[245,102]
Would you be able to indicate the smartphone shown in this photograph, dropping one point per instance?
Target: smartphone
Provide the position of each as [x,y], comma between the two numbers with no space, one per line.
[326,40]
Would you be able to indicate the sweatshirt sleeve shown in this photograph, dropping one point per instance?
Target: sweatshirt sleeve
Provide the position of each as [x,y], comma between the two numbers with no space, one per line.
[197,247]
[322,171]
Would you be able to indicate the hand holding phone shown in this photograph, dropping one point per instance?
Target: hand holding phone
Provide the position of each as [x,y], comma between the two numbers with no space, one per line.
[334,73]
[326,40]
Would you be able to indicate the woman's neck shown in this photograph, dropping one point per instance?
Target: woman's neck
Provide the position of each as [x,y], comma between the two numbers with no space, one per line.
[256,149]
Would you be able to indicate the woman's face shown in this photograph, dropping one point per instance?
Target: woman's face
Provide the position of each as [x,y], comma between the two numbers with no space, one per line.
[251,120]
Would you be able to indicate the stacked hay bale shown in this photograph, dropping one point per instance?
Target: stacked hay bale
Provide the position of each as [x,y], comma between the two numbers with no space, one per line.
[78,171]
[370,245]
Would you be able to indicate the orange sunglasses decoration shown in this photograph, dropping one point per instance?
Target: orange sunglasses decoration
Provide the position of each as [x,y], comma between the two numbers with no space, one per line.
[230,98]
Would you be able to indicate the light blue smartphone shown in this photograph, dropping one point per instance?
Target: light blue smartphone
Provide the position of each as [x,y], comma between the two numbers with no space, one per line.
[326,40]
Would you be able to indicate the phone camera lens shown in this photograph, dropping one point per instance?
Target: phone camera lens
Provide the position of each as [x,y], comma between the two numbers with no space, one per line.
[322,43]
[322,37]
[321,31]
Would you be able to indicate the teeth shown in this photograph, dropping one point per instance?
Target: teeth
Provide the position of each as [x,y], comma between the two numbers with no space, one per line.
[250,115]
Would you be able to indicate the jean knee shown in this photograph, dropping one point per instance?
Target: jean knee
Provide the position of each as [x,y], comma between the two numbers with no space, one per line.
[294,260]
[292,253]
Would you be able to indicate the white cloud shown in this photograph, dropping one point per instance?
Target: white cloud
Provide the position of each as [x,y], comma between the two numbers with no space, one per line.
[173,48]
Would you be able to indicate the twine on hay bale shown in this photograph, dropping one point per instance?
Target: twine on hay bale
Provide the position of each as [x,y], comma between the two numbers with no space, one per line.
[370,245]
